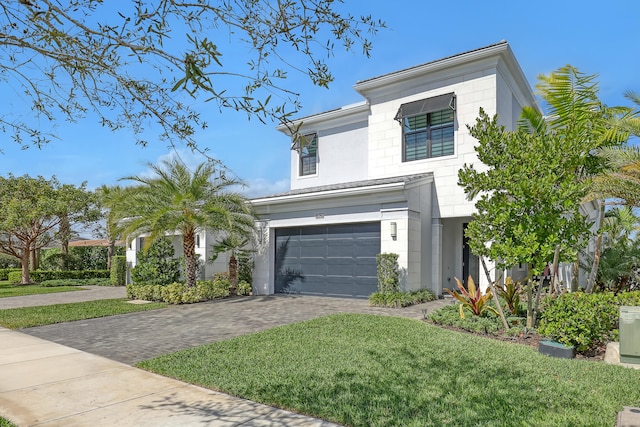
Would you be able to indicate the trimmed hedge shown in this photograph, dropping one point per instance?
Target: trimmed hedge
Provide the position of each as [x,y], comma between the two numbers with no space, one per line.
[450,316]
[4,272]
[76,282]
[585,321]
[118,273]
[400,299]
[42,275]
[177,293]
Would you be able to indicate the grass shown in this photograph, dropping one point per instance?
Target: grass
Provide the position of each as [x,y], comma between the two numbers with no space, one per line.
[9,290]
[6,423]
[26,317]
[364,370]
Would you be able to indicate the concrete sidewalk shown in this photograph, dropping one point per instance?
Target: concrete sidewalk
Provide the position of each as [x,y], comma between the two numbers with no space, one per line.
[48,384]
[88,293]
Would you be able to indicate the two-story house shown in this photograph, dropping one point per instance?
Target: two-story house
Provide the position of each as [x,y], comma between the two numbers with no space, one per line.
[381,176]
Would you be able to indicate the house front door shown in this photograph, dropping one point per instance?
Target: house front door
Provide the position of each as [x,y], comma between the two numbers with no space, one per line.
[470,261]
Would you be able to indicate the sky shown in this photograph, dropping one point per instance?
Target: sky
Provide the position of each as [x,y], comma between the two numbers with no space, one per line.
[597,38]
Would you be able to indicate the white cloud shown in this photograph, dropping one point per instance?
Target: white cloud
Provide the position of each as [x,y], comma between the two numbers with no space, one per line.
[263,187]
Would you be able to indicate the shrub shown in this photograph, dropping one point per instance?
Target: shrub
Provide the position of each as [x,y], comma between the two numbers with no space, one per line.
[76,282]
[177,293]
[118,273]
[157,265]
[584,321]
[54,259]
[510,293]
[244,288]
[15,276]
[400,299]
[245,268]
[450,316]
[472,299]
[4,272]
[43,275]
[388,272]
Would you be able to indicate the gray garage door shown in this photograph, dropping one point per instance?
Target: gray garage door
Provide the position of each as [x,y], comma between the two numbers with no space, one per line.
[333,260]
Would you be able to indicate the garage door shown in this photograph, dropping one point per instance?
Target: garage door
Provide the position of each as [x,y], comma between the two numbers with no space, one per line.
[333,260]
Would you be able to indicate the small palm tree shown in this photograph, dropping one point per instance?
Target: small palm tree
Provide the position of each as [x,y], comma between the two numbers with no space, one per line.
[238,244]
[176,199]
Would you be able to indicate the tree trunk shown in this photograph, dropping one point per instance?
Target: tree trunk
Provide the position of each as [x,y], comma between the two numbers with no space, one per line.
[64,233]
[111,250]
[575,275]
[24,260]
[596,256]
[495,294]
[35,259]
[596,263]
[189,248]
[233,273]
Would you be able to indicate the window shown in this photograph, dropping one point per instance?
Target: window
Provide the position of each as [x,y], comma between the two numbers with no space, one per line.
[427,127]
[307,148]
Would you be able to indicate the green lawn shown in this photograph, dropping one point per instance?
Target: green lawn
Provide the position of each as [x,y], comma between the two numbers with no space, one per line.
[26,317]
[6,423]
[9,290]
[364,370]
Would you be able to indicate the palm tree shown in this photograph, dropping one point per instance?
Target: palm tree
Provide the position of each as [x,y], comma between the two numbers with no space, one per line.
[178,200]
[238,244]
[586,124]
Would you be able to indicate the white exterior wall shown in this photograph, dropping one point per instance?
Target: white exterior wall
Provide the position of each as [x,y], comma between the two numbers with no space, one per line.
[207,239]
[342,156]
[385,136]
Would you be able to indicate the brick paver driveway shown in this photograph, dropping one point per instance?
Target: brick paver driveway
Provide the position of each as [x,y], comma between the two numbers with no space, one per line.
[130,338]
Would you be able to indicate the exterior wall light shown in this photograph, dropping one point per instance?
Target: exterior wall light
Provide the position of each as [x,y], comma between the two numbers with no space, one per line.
[394,230]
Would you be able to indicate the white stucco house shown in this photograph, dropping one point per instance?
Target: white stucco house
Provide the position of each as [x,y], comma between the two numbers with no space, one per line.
[205,239]
[381,176]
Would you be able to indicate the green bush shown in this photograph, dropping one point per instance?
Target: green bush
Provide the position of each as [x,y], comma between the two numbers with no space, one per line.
[15,276]
[157,265]
[118,273]
[4,272]
[584,321]
[244,288]
[177,293]
[450,316]
[43,275]
[400,299]
[76,282]
[388,273]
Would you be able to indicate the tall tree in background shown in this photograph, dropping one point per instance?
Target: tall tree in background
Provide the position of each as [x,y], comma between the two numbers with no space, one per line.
[110,229]
[124,61]
[176,199]
[30,214]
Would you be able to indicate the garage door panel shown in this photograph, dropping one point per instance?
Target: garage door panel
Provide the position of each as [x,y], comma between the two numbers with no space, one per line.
[338,260]
[313,251]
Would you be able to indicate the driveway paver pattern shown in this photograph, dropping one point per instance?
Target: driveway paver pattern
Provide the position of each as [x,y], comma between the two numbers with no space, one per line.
[130,338]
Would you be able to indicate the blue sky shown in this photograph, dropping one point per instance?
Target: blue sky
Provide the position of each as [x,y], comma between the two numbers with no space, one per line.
[597,38]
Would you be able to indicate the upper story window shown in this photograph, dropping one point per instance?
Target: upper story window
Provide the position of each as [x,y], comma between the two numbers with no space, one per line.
[307,148]
[427,127]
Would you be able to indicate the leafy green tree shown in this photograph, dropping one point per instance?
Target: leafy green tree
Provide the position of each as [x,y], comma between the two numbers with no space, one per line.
[157,265]
[29,215]
[178,200]
[528,196]
[125,60]
[109,228]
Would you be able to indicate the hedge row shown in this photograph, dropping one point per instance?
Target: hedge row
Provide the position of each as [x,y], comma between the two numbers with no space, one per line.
[585,321]
[177,293]
[42,275]
[4,272]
